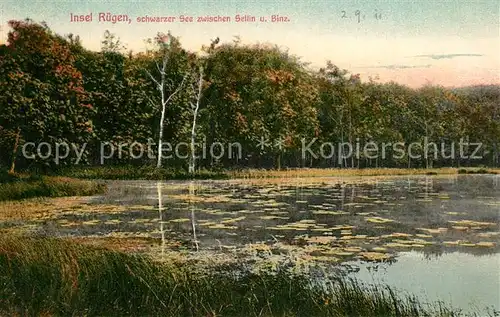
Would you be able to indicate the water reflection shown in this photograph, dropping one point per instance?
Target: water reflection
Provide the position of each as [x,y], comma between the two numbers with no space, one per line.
[160,211]
[447,226]
[193,220]
[351,216]
[428,214]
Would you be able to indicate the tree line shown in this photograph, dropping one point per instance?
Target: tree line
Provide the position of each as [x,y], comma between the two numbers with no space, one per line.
[279,111]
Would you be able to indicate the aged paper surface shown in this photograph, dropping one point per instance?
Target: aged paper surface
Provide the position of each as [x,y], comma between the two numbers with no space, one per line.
[248,158]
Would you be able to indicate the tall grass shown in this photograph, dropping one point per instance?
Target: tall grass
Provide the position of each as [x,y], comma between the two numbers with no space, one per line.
[15,187]
[137,173]
[48,276]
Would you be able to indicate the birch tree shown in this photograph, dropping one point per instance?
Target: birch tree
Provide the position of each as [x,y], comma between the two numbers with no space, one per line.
[167,88]
[195,106]
[198,87]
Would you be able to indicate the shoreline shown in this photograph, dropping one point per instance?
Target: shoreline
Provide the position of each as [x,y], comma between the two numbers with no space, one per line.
[151,173]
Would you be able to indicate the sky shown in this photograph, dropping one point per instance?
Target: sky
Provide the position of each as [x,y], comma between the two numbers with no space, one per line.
[441,42]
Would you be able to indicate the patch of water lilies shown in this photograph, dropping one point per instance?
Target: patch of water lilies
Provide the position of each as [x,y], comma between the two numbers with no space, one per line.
[334,219]
[378,220]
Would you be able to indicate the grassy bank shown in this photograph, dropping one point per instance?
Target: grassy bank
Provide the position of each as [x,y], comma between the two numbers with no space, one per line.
[136,173]
[346,172]
[152,173]
[48,276]
[21,186]
[76,181]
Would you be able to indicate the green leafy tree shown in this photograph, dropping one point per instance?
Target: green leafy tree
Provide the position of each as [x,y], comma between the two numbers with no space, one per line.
[42,96]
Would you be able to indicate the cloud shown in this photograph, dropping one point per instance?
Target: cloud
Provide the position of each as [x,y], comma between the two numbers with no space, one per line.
[448,56]
[400,66]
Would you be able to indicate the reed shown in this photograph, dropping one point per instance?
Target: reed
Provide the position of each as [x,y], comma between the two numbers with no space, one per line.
[50,276]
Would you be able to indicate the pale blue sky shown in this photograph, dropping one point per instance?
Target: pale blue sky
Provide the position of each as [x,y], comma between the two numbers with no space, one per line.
[414,42]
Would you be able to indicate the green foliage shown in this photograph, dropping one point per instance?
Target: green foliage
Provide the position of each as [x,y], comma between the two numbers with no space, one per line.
[41,91]
[54,90]
[261,91]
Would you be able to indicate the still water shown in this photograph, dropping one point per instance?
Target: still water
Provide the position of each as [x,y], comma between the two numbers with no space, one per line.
[433,236]
[465,281]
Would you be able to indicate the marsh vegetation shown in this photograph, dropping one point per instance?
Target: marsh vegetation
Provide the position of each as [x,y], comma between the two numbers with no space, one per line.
[47,276]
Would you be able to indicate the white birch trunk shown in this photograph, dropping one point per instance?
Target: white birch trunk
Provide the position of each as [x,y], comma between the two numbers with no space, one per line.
[162,120]
[161,86]
[195,107]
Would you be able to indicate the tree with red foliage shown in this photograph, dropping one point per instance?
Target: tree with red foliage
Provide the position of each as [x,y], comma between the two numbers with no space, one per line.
[41,97]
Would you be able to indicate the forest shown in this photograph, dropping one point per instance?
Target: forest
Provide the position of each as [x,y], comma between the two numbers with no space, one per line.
[55,91]
[238,179]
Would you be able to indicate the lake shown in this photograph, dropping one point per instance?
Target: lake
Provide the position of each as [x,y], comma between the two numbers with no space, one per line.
[434,236]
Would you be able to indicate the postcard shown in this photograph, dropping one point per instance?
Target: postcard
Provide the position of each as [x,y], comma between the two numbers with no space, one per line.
[250,158]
